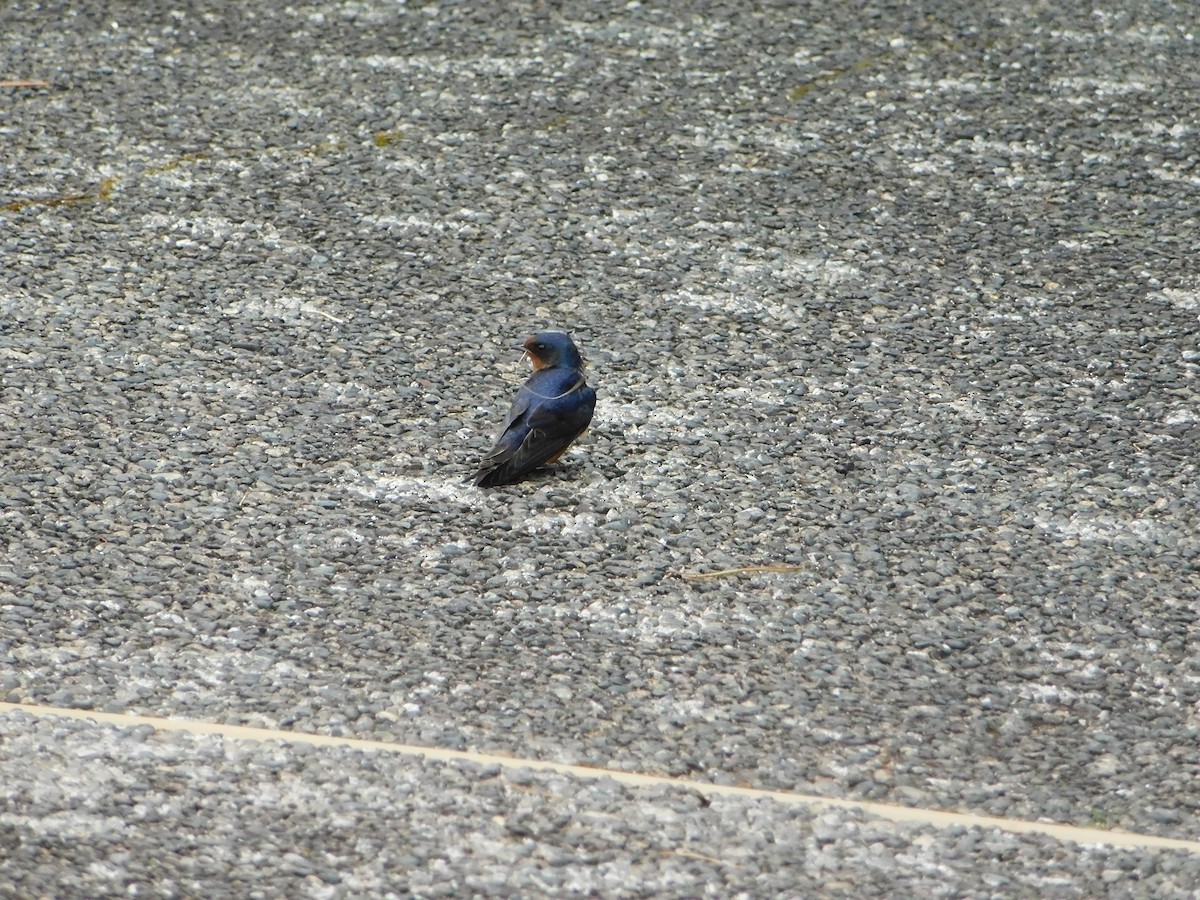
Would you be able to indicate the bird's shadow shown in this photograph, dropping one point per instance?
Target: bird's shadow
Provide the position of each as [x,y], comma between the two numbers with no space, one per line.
[568,474]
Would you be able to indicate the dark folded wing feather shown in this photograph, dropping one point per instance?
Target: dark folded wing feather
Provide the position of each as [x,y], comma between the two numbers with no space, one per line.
[537,429]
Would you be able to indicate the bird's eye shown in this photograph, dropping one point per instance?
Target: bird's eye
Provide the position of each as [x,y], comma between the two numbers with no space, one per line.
[539,347]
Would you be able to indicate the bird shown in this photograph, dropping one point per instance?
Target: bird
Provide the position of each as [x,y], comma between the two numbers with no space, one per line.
[551,410]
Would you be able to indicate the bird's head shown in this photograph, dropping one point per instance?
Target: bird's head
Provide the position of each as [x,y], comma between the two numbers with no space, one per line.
[552,349]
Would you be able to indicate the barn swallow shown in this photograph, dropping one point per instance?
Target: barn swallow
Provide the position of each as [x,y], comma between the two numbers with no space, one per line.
[552,409]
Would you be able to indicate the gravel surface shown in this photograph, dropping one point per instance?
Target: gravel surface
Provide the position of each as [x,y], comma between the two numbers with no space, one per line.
[903,299]
[80,802]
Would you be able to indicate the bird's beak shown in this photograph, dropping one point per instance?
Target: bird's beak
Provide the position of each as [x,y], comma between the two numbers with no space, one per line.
[527,354]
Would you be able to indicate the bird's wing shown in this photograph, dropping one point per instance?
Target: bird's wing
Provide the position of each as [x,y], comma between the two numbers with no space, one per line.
[536,432]
[520,405]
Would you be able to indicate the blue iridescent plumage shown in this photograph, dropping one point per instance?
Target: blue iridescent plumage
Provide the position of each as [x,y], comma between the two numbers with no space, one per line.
[550,411]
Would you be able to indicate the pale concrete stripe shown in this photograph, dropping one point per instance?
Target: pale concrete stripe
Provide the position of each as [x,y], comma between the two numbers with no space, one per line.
[934,817]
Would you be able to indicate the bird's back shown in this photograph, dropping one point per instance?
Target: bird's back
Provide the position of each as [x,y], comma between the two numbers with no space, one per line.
[552,408]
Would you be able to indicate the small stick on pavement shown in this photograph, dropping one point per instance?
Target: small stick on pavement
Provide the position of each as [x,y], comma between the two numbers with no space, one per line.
[692,854]
[740,570]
